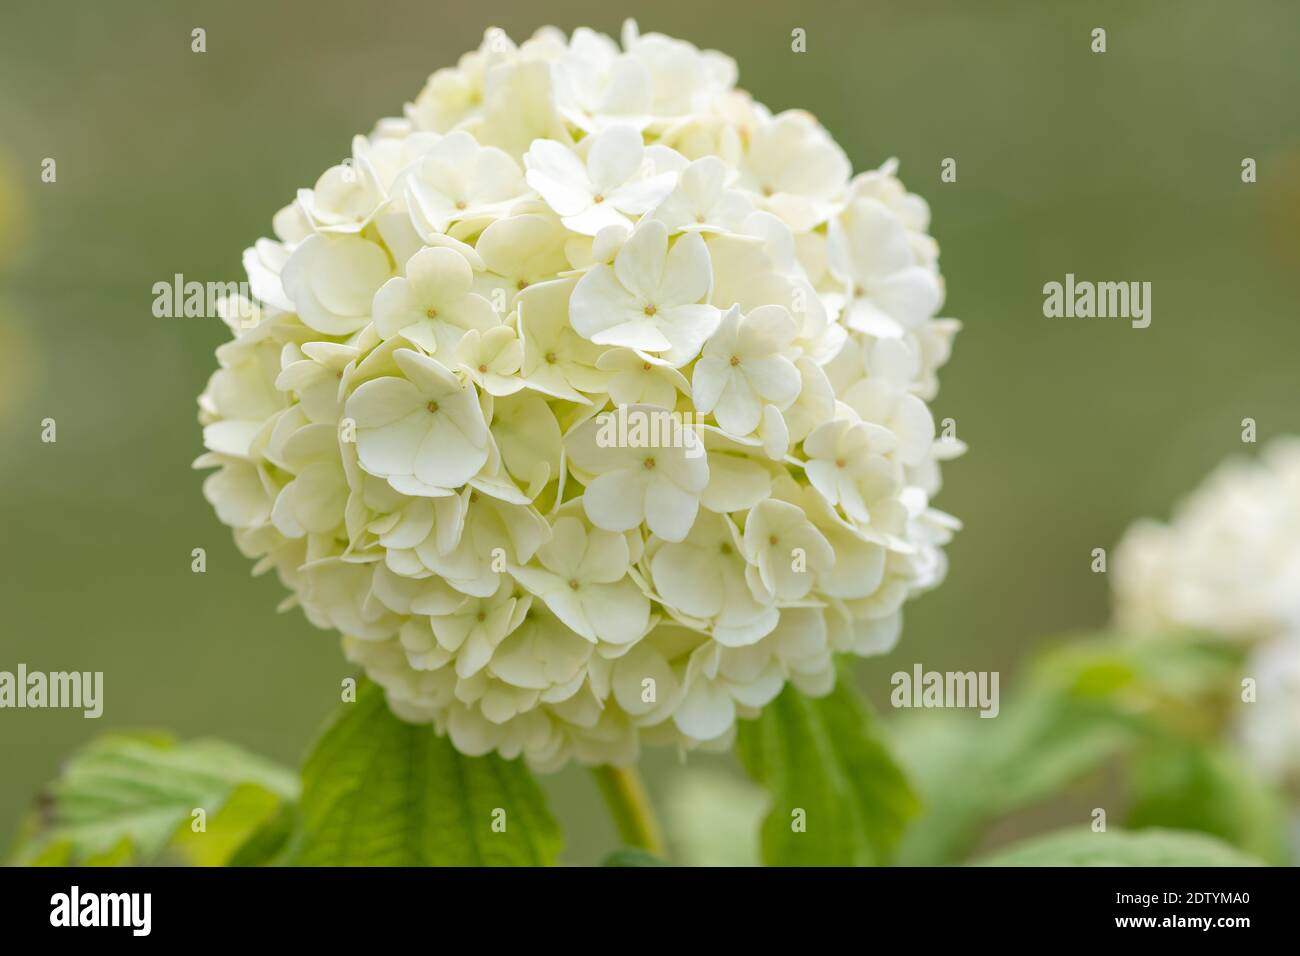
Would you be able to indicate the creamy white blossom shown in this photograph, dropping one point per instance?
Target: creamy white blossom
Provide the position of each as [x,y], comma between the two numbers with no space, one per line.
[604,188]
[744,368]
[1228,564]
[588,401]
[651,299]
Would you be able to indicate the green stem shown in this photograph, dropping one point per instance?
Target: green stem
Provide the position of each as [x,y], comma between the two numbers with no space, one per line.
[629,804]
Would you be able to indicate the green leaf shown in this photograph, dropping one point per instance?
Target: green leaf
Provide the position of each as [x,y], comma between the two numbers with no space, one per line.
[1084,703]
[123,798]
[377,791]
[971,770]
[632,856]
[1209,789]
[266,845]
[245,812]
[823,757]
[1080,846]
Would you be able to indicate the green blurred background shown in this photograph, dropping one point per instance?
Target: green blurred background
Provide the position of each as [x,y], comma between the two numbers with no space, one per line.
[1120,166]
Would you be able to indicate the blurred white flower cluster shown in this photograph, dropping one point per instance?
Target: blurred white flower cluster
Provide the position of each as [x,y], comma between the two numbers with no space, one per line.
[1229,564]
[414,428]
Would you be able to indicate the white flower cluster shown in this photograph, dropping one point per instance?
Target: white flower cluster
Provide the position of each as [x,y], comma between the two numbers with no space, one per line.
[412,428]
[1229,564]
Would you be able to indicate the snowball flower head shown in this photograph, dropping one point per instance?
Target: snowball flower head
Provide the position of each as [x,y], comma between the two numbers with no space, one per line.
[1229,563]
[589,401]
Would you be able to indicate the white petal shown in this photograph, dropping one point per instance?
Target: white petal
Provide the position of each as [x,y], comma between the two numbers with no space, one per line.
[706,712]
[614,158]
[614,503]
[560,177]
[619,613]
[391,450]
[641,262]
[670,511]
[382,401]
[688,275]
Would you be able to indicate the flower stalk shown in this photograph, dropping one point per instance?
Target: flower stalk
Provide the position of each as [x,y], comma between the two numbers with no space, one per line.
[629,804]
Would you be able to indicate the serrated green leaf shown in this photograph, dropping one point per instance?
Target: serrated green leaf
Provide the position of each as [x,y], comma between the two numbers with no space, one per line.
[121,854]
[52,853]
[265,845]
[1080,846]
[245,811]
[124,797]
[1080,705]
[1209,789]
[837,796]
[377,791]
